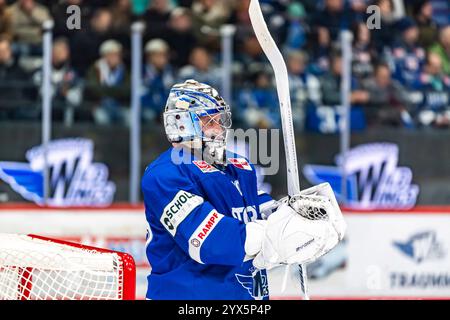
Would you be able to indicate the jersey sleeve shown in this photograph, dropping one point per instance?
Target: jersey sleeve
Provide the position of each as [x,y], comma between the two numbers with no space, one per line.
[206,235]
[267,205]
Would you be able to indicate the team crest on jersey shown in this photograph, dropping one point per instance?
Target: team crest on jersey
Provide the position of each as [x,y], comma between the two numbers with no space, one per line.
[204,166]
[240,163]
[256,284]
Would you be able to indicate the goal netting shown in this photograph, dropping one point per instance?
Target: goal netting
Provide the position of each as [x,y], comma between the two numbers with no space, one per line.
[38,268]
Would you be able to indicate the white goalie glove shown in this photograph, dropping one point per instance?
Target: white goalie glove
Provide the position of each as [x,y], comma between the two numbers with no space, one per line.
[300,231]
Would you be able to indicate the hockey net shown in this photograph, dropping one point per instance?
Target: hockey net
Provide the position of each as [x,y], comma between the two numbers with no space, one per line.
[38,268]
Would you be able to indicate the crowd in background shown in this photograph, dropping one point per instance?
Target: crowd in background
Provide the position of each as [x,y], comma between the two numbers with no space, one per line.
[400,71]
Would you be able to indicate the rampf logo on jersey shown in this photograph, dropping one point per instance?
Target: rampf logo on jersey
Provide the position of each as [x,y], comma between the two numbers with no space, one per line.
[208,226]
[201,233]
[205,228]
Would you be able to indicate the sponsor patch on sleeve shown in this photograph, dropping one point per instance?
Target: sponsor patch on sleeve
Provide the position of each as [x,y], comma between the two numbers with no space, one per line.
[201,233]
[178,209]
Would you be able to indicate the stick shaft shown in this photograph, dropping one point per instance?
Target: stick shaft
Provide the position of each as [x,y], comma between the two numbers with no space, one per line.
[282,80]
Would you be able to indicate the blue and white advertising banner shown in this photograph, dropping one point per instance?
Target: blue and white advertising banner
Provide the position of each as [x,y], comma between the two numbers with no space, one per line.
[373,178]
[405,255]
[75,180]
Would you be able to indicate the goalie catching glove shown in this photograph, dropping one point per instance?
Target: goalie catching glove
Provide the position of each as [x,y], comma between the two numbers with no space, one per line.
[301,230]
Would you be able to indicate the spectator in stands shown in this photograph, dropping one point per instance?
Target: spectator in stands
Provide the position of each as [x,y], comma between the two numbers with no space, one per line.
[428,29]
[209,14]
[304,86]
[12,80]
[108,83]
[250,55]
[442,48]
[87,41]
[363,53]
[407,56]
[201,68]
[158,78]
[259,103]
[388,102]
[331,85]
[66,86]
[156,18]
[385,36]
[331,20]
[122,15]
[240,18]
[180,37]
[435,86]
[27,17]
[6,31]
[122,18]
[297,28]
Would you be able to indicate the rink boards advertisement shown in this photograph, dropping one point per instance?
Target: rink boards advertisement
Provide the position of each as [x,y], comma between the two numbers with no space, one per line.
[398,254]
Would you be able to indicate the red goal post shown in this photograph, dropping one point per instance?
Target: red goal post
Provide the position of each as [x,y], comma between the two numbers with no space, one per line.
[34,267]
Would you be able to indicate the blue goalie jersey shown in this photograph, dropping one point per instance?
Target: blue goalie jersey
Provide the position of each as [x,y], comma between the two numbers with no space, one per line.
[197,215]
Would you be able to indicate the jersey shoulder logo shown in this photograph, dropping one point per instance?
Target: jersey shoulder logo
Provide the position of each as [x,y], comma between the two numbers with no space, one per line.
[204,166]
[240,163]
[178,209]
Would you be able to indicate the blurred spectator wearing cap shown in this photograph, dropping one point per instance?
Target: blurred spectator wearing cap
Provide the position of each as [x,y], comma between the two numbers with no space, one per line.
[87,41]
[407,56]
[108,83]
[66,88]
[27,17]
[201,68]
[434,109]
[388,102]
[6,31]
[12,79]
[158,78]
[442,48]
[428,29]
[259,102]
[180,37]
[297,28]
[157,17]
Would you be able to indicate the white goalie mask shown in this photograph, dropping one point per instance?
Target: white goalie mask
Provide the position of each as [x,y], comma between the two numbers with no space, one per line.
[197,117]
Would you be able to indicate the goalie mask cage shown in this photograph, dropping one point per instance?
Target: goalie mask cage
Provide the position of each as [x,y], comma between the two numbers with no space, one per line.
[38,268]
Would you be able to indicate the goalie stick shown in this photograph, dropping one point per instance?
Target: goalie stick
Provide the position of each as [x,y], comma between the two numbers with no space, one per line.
[281,77]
